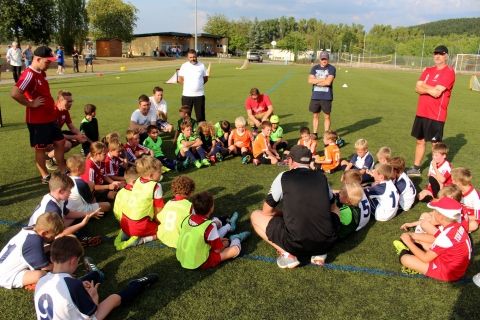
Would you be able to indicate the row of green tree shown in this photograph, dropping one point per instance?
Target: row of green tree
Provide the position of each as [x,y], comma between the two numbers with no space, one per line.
[312,34]
[67,22]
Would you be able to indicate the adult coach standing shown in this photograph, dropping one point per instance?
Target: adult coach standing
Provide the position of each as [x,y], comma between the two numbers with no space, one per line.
[193,76]
[305,227]
[32,90]
[321,78]
[434,88]
[14,58]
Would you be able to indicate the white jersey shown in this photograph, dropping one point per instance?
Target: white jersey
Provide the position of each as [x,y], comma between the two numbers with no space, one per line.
[59,296]
[384,199]
[23,252]
[193,83]
[471,202]
[407,191]
[365,212]
[80,196]
[445,169]
[158,107]
[49,204]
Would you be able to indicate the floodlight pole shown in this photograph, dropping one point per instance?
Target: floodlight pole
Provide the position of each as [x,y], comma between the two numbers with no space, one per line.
[195,25]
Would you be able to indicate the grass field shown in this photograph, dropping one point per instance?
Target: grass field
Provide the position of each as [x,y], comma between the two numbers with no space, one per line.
[362,279]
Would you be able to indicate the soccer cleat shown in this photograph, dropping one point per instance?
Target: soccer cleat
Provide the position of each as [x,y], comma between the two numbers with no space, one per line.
[400,246]
[46,179]
[476,279]
[287,261]
[186,163]
[340,142]
[145,281]
[198,164]
[206,163]
[413,172]
[246,159]
[233,221]
[219,156]
[91,267]
[122,241]
[240,236]
[51,164]
[409,271]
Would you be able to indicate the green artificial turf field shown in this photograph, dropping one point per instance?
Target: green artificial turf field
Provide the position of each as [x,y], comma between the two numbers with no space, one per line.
[362,279]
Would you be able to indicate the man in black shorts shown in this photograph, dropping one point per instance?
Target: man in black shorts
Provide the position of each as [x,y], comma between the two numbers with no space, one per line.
[32,91]
[321,78]
[434,88]
[305,228]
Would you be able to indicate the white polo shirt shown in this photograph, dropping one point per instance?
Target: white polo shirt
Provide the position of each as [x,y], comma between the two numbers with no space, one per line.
[161,106]
[193,85]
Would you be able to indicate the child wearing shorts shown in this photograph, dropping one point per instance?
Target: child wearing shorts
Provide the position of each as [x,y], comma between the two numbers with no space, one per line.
[240,140]
[263,152]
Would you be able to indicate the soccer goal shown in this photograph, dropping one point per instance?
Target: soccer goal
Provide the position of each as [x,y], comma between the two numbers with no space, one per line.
[467,63]
[361,58]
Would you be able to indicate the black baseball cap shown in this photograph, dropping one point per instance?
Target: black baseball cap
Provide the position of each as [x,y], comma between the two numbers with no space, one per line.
[441,49]
[44,52]
[300,154]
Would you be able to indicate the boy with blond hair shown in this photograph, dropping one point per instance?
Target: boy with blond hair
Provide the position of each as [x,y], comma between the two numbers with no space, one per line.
[383,194]
[362,160]
[81,197]
[448,257]
[462,177]
[263,153]
[23,260]
[383,155]
[347,209]
[405,186]
[331,159]
[175,211]
[240,140]
[439,172]
[354,177]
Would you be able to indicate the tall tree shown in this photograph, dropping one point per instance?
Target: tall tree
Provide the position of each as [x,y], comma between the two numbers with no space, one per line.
[112,19]
[256,36]
[27,20]
[294,41]
[72,23]
[219,25]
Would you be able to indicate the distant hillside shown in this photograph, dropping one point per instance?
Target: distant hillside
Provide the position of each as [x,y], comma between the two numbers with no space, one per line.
[469,26]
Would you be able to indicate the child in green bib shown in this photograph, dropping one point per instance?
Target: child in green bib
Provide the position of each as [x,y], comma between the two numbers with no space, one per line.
[201,243]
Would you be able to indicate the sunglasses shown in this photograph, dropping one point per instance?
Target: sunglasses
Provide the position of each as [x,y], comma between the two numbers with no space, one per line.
[439,53]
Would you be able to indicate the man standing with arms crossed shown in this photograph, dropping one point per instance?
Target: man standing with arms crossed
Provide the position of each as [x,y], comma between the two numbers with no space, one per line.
[32,90]
[321,78]
[434,88]
[193,76]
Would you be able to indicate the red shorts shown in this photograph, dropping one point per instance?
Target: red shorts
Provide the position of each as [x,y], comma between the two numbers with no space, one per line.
[213,260]
[441,272]
[140,228]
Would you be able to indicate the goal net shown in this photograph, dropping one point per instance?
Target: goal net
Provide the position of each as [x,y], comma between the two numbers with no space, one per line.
[467,63]
[361,58]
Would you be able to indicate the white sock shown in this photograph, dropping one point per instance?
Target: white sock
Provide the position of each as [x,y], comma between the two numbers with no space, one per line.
[145,240]
[236,243]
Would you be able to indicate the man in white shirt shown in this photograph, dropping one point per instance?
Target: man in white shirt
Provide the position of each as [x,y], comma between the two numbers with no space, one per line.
[14,58]
[158,105]
[142,117]
[193,76]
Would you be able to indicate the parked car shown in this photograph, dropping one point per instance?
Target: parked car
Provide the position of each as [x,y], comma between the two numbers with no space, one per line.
[255,56]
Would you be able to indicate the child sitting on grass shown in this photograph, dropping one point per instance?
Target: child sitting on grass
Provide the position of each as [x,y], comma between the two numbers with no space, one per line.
[143,203]
[240,140]
[60,186]
[114,164]
[462,177]
[276,137]
[213,149]
[89,127]
[362,160]
[105,188]
[448,257]
[406,188]
[383,194]
[81,197]
[201,243]
[308,140]
[23,260]
[438,173]
[189,148]
[154,142]
[175,211]
[354,177]
[347,209]
[123,195]
[185,114]
[263,152]
[222,131]
[383,155]
[330,162]
[133,148]
[59,295]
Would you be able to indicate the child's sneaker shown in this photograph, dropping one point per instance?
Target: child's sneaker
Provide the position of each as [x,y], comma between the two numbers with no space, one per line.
[318,260]
[246,159]
[340,142]
[198,164]
[409,271]
[287,261]
[123,241]
[91,267]
[476,279]
[414,172]
[233,221]
[145,281]
[206,163]
[219,156]
[240,236]
[51,164]
[46,179]
[400,246]
[186,163]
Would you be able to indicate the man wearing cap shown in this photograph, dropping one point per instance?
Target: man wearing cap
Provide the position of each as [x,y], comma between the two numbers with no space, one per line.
[448,257]
[321,78]
[434,88]
[305,228]
[32,90]
[259,108]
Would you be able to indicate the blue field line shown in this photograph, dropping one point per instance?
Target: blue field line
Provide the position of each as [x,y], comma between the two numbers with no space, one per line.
[280,82]
[10,223]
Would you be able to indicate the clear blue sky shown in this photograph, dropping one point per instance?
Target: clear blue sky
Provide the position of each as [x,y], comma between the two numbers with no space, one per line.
[178,15]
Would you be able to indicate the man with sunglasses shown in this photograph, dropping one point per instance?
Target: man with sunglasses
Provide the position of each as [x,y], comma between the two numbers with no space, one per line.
[434,88]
